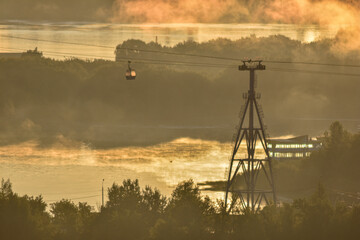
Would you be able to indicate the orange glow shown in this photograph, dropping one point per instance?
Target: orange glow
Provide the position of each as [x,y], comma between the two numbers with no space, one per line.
[200,11]
[171,162]
[184,11]
[326,12]
[321,12]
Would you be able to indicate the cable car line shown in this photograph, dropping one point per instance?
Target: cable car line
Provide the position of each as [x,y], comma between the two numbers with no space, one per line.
[183,54]
[62,54]
[232,67]
[180,62]
[142,60]
[314,63]
[69,193]
[199,64]
[54,41]
[125,48]
[77,198]
[314,72]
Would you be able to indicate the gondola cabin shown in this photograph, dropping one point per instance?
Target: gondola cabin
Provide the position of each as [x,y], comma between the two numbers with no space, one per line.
[130,73]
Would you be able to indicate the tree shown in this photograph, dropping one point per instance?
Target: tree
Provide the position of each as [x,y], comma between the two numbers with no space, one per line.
[129,213]
[187,216]
[22,217]
[69,220]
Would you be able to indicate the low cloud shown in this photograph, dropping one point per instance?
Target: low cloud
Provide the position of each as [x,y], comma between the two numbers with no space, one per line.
[323,12]
[344,14]
[193,11]
[178,11]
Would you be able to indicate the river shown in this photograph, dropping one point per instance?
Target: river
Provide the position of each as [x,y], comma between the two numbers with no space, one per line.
[77,173]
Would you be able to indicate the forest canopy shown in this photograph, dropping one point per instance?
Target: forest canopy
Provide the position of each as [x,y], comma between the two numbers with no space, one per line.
[135,213]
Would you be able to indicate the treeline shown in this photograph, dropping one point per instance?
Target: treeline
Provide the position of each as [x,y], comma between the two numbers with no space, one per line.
[135,213]
[336,165]
[274,47]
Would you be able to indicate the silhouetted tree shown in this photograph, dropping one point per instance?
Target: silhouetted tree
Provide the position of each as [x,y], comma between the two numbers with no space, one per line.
[129,213]
[22,217]
[187,216]
[69,219]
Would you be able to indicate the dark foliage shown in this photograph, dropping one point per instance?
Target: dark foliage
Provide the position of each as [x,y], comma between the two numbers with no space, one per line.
[336,165]
[22,217]
[132,213]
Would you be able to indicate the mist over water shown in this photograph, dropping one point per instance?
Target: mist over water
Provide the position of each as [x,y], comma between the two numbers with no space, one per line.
[60,172]
[77,172]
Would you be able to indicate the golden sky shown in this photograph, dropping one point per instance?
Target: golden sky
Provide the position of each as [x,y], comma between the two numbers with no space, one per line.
[190,11]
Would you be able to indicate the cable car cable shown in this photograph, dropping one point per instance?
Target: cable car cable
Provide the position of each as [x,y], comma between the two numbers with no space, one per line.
[183,54]
[63,53]
[143,60]
[313,63]
[314,72]
[180,62]
[197,64]
[71,199]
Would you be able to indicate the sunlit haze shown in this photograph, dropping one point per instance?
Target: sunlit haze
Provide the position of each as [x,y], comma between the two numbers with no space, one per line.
[119,117]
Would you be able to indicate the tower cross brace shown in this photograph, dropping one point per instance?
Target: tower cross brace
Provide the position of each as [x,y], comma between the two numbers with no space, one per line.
[252,131]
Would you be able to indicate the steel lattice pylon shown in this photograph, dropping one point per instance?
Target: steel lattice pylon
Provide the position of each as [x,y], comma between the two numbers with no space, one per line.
[251,132]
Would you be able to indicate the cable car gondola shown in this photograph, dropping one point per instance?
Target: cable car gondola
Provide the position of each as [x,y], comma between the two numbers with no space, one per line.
[130,73]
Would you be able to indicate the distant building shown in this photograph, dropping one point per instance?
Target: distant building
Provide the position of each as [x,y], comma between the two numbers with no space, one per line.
[292,148]
[28,53]
[10,55]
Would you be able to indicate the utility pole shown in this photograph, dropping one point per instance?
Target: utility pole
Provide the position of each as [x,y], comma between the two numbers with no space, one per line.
[102,194]
[251,129]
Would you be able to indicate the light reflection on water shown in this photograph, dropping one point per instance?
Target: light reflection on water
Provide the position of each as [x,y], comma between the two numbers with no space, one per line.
[60,172]
[113,34]
[74,173]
